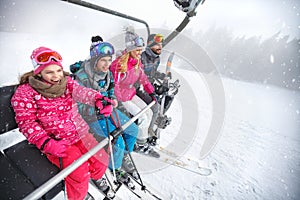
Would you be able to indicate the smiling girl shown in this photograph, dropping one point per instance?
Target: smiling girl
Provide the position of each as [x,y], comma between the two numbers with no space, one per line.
[45,104]
[128,72]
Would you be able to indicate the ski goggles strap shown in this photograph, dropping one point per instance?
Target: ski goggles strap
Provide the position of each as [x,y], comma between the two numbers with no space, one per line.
[102,49]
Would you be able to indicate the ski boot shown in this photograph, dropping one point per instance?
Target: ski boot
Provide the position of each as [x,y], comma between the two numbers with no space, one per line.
[152,140]
[163,121]
[104,188]
[88,197]
[127,165]
[124,178]
[146,149]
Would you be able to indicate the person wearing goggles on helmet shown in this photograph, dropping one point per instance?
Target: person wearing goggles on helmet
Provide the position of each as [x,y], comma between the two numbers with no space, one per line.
[128,71]
[45,104]
[151,57]
[94,73]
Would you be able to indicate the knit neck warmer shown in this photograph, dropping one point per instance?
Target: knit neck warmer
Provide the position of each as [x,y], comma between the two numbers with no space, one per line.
[48,90]
[95,76]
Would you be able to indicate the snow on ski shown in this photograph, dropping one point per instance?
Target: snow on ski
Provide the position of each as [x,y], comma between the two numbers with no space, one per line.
[182,162]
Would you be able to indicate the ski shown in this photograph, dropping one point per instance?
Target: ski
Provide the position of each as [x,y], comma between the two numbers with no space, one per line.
[146,151]
[133,191]
[182,162]
[140,191]
[144,189]
[118,184]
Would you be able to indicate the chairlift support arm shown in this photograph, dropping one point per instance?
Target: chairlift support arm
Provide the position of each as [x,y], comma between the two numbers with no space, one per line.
[182,25]
[105,10]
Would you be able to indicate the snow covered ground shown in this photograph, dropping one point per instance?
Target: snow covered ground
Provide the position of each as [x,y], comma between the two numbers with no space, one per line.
[257,156]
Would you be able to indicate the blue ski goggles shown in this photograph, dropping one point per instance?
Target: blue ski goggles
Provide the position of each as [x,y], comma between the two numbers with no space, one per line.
[102,49]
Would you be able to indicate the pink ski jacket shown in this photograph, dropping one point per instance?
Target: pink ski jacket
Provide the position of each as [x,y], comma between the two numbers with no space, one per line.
[124,82]
[39,117]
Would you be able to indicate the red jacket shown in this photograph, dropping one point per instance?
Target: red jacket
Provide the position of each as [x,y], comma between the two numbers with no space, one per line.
[124,82]
[39,117]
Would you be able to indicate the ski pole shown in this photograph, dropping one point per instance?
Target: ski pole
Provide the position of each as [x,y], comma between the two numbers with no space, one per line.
[126,145]
[127,148]
[110,149]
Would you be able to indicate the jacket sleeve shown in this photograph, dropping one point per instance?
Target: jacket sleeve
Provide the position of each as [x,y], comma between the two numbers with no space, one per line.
[143,79]
[25,108]
[83,94]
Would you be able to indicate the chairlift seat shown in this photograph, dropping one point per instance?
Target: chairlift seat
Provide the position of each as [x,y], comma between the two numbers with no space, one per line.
[23,167]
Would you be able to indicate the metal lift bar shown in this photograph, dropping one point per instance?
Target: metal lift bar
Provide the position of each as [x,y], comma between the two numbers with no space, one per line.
[40,191]
[112,12]
[181,26]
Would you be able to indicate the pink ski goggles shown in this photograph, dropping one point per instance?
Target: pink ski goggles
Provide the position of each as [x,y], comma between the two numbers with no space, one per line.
[45,57]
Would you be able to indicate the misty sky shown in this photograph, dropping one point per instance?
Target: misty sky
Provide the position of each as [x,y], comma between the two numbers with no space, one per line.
[247,17]
[68,28]
[244,18]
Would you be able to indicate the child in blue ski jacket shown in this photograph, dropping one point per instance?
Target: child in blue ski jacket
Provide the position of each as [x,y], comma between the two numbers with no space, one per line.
[94,73]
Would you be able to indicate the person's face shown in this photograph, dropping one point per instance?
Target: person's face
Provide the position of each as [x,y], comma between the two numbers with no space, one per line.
[52,74]
[136,54]
[157,48]
[104,63]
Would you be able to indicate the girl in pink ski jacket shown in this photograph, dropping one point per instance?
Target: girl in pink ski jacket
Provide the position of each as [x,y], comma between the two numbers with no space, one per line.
[124,81]
[46,113]
[127,70]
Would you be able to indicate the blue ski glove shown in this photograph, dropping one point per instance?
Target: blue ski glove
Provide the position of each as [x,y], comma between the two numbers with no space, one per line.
[154,97]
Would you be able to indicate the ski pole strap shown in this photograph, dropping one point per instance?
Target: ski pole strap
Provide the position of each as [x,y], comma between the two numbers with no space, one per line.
[118,131]
[110,149]
[117,125]
[114,121]
[117,115]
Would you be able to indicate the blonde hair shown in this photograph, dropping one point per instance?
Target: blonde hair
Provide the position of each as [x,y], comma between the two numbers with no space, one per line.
[123,67]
